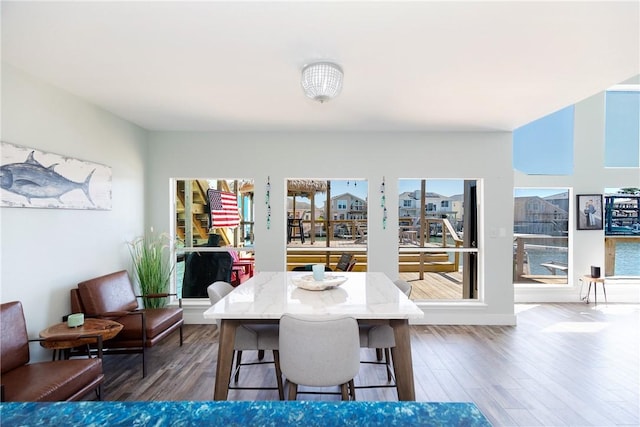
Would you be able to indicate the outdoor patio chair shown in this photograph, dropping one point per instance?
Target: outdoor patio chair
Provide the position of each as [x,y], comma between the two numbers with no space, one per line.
[346,262]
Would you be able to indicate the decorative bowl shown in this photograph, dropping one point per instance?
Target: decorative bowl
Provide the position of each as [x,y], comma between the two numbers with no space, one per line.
[307,282]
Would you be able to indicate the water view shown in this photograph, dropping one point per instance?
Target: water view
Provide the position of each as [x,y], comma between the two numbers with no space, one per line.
[627,259]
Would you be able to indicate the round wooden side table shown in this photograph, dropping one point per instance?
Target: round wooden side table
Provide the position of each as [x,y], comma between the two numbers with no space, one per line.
[107,329]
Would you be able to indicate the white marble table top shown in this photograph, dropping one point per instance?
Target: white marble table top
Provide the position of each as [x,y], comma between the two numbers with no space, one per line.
[268,295]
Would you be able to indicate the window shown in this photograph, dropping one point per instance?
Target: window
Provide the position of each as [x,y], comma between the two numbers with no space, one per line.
[329,218]
[622,232]
[533,205]
[213,225]
[358,205]
[533,142]
[622,127]
[438,250]
[541,236]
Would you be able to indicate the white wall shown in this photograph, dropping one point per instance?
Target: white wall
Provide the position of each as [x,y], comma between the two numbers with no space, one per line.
[370,156]
[46,252]
[586,247]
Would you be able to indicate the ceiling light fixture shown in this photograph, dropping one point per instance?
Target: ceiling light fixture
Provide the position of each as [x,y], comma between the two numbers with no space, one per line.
[322,81]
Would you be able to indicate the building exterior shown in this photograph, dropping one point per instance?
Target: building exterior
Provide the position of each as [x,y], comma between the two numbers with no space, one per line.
[436,206]
[348,206]
[536,215]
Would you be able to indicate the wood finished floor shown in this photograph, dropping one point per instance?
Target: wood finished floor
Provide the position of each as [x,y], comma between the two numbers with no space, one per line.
[563,365]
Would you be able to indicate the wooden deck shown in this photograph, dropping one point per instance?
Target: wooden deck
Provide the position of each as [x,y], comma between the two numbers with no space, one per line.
[448,286]
[435,286]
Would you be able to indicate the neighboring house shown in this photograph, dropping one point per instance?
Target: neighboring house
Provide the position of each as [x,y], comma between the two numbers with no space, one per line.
[409,204]
[436,205]
[457,209]
[302,210]
[535,215]
[348,206]
[561,200]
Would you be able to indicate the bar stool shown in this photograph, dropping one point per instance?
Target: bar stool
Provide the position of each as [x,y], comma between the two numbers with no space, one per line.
[292,224]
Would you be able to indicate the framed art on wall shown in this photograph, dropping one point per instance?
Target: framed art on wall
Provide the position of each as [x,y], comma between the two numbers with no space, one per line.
[589,211]
[32,178]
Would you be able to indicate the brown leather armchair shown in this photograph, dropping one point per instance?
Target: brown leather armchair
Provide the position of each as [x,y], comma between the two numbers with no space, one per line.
[57,380]
[112,297]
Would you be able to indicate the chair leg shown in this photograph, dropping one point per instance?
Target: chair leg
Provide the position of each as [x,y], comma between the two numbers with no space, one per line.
[276,361]
[293,390]
[387,359]
[352,387]
[180,335]
[144,358]
[238,363]
[379,354]
[344,391]
[260,354]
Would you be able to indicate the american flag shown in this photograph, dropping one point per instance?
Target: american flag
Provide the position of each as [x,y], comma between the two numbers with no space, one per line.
[224,209]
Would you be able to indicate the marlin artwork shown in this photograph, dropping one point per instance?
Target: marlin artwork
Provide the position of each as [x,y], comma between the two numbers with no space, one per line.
[33,180]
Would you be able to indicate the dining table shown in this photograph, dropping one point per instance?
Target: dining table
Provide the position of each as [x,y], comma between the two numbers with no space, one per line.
[369,297]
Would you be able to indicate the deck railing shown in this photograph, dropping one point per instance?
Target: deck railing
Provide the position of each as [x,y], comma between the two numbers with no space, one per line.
[522,268]
[522,263]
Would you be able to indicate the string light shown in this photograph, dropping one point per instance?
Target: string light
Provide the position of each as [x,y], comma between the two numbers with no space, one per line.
[268,195]
[383,205]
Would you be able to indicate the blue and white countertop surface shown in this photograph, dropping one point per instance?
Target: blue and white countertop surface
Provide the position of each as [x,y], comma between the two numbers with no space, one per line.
[241,413]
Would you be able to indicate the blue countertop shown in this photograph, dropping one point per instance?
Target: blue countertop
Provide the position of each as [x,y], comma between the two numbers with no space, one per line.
[241,413]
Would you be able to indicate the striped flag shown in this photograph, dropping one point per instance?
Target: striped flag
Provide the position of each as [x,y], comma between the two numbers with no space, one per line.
[224,209]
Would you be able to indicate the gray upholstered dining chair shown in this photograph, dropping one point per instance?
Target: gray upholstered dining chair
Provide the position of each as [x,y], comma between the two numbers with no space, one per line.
[319,353]
[381,338]
[256,337]
[404,286]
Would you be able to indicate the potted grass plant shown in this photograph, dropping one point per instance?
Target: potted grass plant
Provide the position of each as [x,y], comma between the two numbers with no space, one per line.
[152,266]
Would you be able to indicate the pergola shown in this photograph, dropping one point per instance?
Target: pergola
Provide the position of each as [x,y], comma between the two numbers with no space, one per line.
[307,188]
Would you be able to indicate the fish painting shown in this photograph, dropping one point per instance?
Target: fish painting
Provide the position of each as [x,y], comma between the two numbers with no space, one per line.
[33,180]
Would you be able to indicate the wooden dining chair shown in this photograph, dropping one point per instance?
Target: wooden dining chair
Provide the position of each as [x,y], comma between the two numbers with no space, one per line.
[319,353]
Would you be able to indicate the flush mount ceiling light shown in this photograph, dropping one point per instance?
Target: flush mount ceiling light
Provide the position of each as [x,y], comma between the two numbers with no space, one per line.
[322,81]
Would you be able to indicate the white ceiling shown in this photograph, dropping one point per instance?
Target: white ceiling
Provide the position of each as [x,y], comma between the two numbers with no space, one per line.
[409,66]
